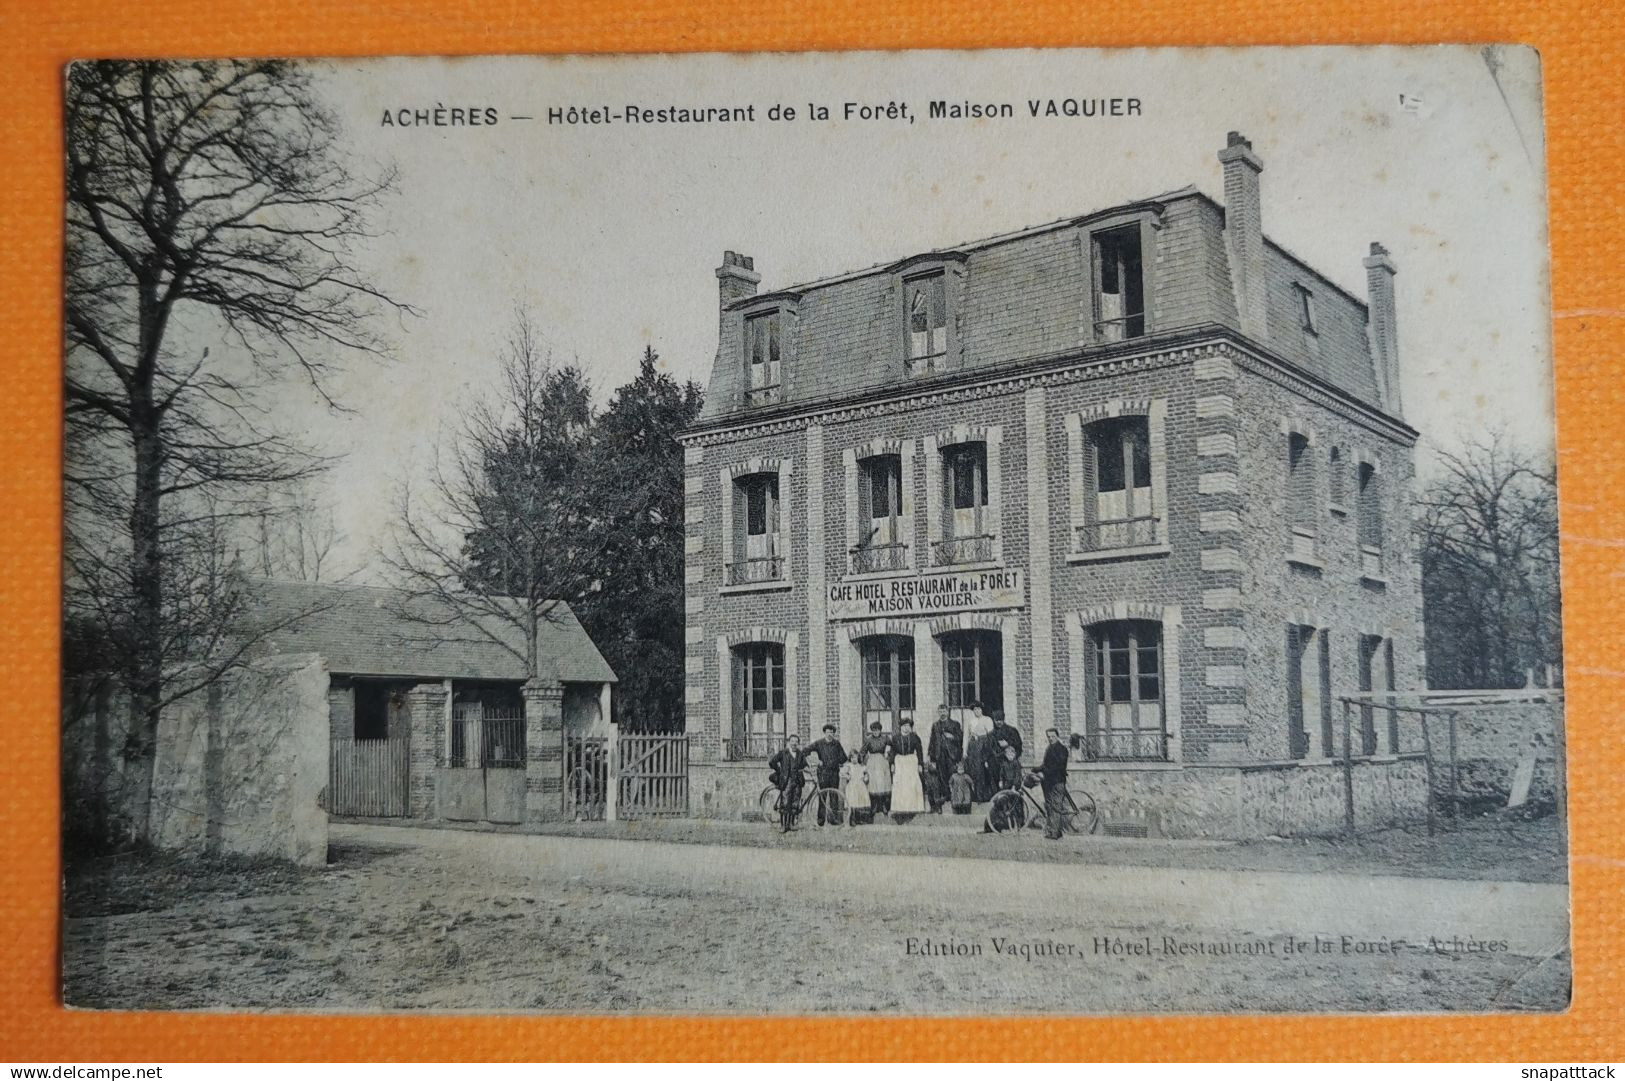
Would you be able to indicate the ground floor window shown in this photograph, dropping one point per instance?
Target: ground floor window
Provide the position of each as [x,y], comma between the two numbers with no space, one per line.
[1308,690]
[973,671]
[1125,715]
[1377,675]
[888,680]
[487,728]
[759,713]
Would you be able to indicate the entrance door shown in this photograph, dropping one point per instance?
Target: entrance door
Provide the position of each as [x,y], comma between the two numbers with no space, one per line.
[973,671]
[888,681]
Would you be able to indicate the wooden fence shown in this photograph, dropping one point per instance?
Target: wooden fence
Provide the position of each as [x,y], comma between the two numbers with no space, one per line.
[368,777]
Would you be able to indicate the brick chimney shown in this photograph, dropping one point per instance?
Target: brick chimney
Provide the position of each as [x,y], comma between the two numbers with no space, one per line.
[736,278]
[1244,232]
[1383,325]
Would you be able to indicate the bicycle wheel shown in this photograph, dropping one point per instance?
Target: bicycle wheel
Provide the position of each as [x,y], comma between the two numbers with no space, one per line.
[767,804]
[582,787]
[827,807]
[1084,816]
[1005,814]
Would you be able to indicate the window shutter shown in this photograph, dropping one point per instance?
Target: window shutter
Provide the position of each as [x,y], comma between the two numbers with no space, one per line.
[738,710]
[773,507]
[1091,475]
[740,521]
[1297,742]
[865,500]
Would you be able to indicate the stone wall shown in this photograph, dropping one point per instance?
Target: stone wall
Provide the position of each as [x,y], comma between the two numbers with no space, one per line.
[1491,738]
[241,764]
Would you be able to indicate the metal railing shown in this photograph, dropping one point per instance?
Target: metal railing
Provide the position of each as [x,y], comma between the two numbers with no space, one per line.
[869,559]
[926,365]
[752,746]
[1120,329]
[1103,536]
[748,571]
[1125,747]
[767,395]
[963,550]
[494,739]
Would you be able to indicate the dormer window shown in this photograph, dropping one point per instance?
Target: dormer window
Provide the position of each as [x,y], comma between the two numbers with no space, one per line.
[764,351]
[1119,285]
[1304,301]
[927,315]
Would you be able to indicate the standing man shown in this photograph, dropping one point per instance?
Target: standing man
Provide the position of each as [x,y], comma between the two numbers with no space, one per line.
[947,748]
[831,757]
[1001,736]
[1052,775]
[784,770]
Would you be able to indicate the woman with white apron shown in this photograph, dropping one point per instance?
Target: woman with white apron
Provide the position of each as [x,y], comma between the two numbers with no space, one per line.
[878,766]
[908,762]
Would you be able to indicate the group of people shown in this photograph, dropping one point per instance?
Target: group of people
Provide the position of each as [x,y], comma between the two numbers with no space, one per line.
[900,777]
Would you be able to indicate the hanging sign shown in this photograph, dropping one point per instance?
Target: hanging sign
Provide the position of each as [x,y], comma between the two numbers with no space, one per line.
[927,594]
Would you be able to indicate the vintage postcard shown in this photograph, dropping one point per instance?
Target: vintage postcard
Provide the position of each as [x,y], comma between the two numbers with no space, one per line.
[1063,532]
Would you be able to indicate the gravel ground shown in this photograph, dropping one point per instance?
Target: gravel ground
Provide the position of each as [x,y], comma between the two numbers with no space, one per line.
[396,926]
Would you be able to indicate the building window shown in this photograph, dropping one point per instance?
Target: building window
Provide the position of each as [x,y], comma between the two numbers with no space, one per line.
[1376,675]
[1368,519]
[1304,302]
[1336,483]
[972,671]
[1119,511]
[764,349]
[881,545]
[1302,507]
[1124,678]
[967,527]
[1119,285]
[371,711]
[759,712]
[1308,690]
[756,555]
[888,681]
[926,311]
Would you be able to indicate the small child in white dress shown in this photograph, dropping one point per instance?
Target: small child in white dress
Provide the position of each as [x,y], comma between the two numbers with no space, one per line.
[857,795]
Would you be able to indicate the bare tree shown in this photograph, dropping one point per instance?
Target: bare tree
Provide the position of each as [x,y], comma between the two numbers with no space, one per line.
[206,201]
[504,532]
[295,536]
[1490,580]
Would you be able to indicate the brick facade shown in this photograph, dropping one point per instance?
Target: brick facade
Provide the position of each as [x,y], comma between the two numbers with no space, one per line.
[1222,367]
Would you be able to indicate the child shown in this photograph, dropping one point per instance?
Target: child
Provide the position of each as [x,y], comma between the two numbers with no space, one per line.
[1010,778]
[959,789]
[857,796]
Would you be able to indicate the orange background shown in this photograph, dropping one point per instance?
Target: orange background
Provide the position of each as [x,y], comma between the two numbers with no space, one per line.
[1580,47]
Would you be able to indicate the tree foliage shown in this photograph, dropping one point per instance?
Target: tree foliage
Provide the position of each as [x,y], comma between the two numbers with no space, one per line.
[636,612]
[1490,582]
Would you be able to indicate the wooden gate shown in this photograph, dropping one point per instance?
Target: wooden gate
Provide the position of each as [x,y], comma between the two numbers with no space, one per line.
[368,777]
[586,777]
[653,776]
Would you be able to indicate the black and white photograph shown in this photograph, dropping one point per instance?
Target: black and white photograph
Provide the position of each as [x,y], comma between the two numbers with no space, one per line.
[1014,532]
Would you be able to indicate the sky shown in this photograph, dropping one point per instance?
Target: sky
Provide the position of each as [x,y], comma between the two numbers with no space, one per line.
[609,233]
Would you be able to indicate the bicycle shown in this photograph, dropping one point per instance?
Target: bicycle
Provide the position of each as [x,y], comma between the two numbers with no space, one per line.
[777,811]
[1015,808]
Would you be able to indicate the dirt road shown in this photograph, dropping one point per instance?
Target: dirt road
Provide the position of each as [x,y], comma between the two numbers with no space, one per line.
[427,919]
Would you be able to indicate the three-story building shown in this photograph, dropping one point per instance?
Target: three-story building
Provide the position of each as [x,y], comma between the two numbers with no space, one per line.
[1140,475]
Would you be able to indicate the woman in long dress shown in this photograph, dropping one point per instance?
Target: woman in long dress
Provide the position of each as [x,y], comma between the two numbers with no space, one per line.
[908,763]
[877,764]
[977,729]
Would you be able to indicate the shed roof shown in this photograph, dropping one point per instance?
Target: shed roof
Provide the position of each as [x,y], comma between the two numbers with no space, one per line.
[379,631]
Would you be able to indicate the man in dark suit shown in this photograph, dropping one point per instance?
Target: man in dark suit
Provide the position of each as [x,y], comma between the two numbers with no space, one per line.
[1002,736]
[831,757]
[947,748]
[1052,776]
[784,770]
